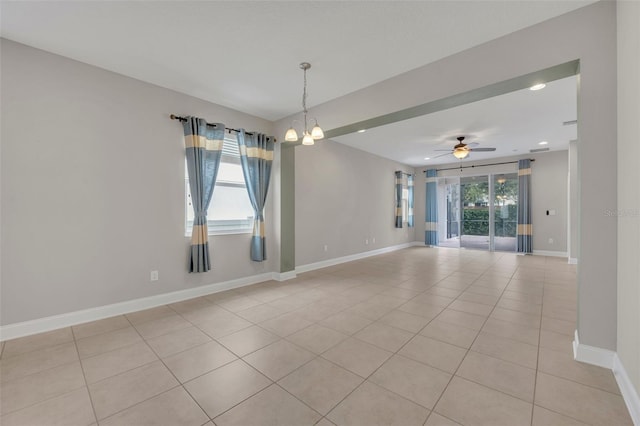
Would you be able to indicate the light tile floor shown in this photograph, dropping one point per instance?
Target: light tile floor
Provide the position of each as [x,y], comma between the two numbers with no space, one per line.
[419,336]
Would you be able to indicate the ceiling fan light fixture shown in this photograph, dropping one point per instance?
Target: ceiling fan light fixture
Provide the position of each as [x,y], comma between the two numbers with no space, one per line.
[461,152]
[501,179]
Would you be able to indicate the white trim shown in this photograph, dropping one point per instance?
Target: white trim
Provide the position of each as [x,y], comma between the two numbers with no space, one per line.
[284,276]
[573,261]
[610,359]
[592,355]
[26,328]
[550,253]
[628,391]
[338,260]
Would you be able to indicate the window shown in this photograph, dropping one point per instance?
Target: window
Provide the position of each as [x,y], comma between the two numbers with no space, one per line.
[405,205]
[403,197]
[230,210]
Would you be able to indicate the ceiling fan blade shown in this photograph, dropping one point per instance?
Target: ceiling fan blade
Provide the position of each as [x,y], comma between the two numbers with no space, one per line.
[482,149]
[448,150]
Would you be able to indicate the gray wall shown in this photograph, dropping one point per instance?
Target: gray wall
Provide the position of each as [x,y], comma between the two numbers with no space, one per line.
[587,34]
[548,191]
[93,188]
[343,197]
[628,188]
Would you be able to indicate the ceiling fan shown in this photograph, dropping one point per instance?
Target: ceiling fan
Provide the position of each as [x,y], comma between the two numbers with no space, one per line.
[461,150]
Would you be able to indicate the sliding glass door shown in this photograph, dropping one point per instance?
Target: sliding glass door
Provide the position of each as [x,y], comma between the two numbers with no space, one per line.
[478,212]
[449,208]
[505,202]
[475,212]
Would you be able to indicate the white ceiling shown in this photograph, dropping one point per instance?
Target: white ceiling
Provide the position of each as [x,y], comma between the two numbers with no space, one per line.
[513,124]
[245,55]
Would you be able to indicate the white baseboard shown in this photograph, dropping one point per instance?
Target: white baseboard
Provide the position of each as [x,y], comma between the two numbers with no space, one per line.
[573,261]
[40,325]
[628,391]
[591,354]
[284,276]
[610,359]
[550,253]
[338,260]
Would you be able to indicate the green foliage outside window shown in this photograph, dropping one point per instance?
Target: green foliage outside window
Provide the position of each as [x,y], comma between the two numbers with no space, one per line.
[476,221]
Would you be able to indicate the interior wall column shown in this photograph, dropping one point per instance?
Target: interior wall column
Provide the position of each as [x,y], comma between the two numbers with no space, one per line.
[287,208]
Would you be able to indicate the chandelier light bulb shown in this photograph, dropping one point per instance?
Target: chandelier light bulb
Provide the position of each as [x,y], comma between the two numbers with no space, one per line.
[316,132]
[307,139]
[291,135]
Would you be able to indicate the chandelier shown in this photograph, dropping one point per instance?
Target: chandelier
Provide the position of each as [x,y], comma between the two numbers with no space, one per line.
[308,138]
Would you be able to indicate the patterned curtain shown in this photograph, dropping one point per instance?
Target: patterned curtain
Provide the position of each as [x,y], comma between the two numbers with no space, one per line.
[525,234]
[399,176]
[203,143]
[410,220]
[431,220]
[256,156]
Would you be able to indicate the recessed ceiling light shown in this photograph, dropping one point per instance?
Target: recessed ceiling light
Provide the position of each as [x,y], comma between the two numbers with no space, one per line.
[427,158]
[543,143]
[538,86]
[362,130]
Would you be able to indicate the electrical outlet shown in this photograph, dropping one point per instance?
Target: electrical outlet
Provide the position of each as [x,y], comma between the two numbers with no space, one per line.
[550,240]
[373,240]
[326,247]
[153,276]
[366,241]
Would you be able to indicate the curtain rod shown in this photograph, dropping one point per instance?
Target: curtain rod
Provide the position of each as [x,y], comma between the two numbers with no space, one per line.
[479,165]
[183,119]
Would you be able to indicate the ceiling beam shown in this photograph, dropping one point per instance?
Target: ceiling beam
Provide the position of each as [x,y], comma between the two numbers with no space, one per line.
[546,75]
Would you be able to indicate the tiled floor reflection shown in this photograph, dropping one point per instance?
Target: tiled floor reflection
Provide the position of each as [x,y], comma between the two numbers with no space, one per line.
[421,336]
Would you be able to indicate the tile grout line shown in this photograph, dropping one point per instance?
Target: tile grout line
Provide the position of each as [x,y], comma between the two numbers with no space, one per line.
[84,376]
[535,380]
[245,399]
